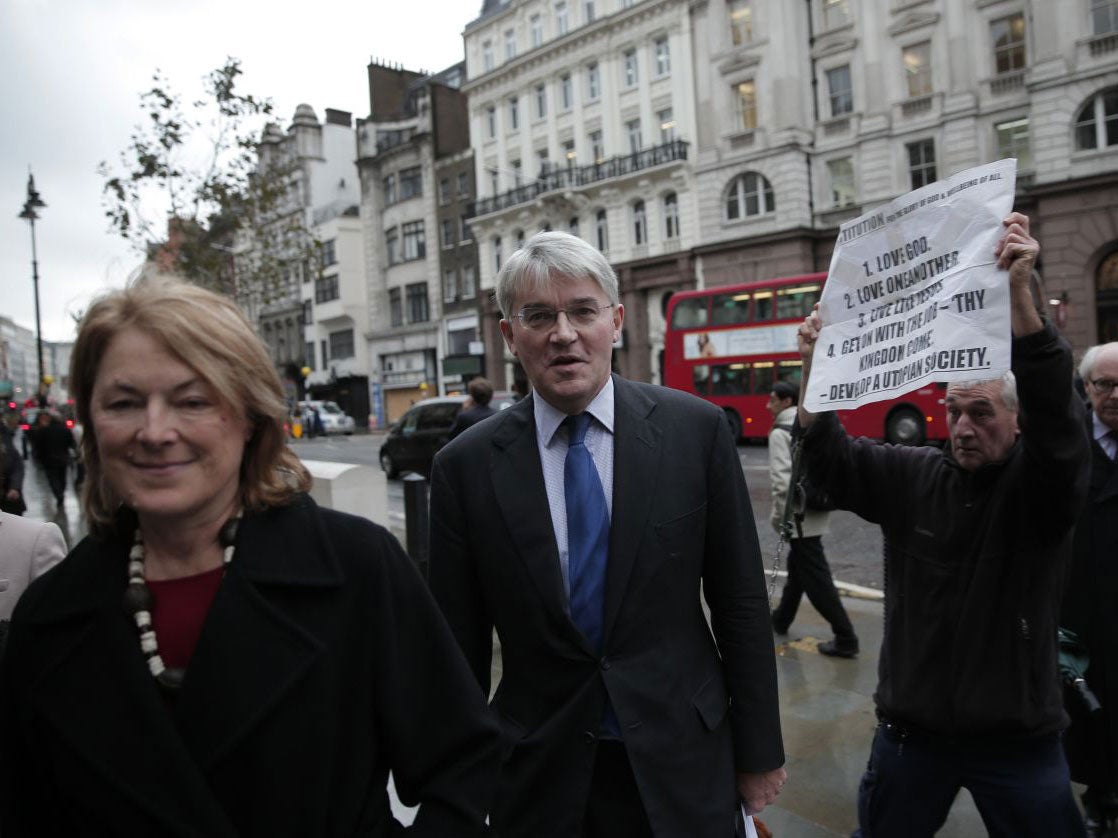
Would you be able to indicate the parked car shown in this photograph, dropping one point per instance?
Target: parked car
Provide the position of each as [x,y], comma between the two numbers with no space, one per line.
[413,441]
[334,419]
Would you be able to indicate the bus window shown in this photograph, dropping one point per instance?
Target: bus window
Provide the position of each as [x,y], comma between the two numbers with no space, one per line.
[700,378]
[796,302]
[763,305]
[690,313]
[730,380]
[763,378]
[790,371]
[729,309]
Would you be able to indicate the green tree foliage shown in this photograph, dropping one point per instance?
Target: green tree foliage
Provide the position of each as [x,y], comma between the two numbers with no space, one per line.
[200,196]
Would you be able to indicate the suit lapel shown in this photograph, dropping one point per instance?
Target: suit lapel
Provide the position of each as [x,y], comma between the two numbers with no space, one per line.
[1104,474]
[95,689]
[636,463]
[522,498]
[251,651]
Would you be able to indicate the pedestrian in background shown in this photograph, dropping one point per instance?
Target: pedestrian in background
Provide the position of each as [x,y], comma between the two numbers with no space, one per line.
[221,656]
[54,446]
[476,407]
[808,571]
[28,549]
[1090,606]
[11,470]
[581,523]
[977,541]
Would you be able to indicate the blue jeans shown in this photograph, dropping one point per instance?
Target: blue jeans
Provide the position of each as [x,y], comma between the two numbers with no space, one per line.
[1021,788]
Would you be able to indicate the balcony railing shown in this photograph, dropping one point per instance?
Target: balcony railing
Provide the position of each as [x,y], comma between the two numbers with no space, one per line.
[1007,82]
[576,176]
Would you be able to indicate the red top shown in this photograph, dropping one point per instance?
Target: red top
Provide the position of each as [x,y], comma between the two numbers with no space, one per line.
[179,609]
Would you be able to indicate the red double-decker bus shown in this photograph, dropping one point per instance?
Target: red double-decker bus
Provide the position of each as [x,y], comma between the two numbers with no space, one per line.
[729,345]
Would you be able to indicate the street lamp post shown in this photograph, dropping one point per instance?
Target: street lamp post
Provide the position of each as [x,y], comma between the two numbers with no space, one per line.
[30,213]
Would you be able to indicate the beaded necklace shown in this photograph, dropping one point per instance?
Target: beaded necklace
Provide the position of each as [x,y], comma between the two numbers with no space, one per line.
[138,601]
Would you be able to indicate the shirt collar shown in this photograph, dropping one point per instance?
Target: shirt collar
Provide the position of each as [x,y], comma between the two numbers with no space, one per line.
[1100,428]
[548,418]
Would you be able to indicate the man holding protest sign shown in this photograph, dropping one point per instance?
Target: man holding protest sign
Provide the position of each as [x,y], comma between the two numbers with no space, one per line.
[977,538]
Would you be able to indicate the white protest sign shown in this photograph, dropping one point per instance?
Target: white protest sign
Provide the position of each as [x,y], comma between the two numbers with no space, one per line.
[914,294]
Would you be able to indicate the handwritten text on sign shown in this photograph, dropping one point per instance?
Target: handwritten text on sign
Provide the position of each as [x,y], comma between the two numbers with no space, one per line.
[914,295]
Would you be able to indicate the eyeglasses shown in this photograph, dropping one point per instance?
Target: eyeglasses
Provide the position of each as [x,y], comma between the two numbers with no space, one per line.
[541,318]
[1104,385]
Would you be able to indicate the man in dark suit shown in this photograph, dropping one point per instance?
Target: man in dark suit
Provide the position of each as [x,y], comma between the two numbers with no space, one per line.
[581,524]
[476,408]
[1089,602]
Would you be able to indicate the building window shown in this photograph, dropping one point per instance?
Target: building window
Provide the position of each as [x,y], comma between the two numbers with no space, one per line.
[469,282]
[671,216]
[918,69]
[572,226]
[1096,124]
[1104,16]
[593,82]
[835,13]
[569,156]
[663,57]
[467,234]
[1013,141]
[630,59]
[487,56]
[326,288]
[841,174]
[745,104]
[415,245]
[463,185]
[519,239]
[749,195]
[308,313]
[588,8]
[597,147]
[308,354]
[341,344]
[450,286]
[1008,36]
[444,191]
[448,232]
[842,94]
[411,183]
[741,22]
[390,190]
[417,303]
[496,254]
[566,92]
[395,307]
[633,132]
[640,224]
[922,162]
[514,173]
[543,163]
[601,231]
[536,26]
[514,113]
[494,183]
[560,18]
[541,101]
[491,122]
[328,254]
[390,246]
[510,44]
[667,125]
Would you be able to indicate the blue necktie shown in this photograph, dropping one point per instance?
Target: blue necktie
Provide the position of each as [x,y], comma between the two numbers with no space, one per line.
[587,532]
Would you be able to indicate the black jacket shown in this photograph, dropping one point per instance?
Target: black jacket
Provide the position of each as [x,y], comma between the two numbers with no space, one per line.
[322,664]
[974,561]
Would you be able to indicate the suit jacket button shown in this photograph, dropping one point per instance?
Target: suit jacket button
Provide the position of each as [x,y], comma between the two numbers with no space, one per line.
[605,664]
[588,737]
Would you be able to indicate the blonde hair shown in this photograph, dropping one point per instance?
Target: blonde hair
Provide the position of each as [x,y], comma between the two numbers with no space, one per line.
[210,335]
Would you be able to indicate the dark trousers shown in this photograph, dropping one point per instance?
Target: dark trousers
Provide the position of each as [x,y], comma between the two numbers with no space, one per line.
[56,479]
[614,809]
[809,573]
[1021,789]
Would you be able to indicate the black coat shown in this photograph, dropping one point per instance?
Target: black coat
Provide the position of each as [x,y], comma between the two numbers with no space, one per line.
[696,702]
[323,663]
[1091,611]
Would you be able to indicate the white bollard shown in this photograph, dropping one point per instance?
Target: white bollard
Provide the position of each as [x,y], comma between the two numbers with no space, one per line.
[346,487]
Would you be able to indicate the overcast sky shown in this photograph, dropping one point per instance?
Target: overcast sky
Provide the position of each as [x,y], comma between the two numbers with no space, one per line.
[70,75]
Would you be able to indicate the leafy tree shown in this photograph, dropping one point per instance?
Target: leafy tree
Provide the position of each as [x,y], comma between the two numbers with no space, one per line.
[198,193]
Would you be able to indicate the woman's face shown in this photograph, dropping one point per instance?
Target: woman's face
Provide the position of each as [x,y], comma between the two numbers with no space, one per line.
[169,448]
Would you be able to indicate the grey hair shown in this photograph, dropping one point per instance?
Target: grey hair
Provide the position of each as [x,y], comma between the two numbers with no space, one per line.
[1009,389]
[1091,357]
[548,256]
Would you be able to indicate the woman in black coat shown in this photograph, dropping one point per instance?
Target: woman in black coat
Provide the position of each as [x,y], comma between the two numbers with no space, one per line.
[222,657]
